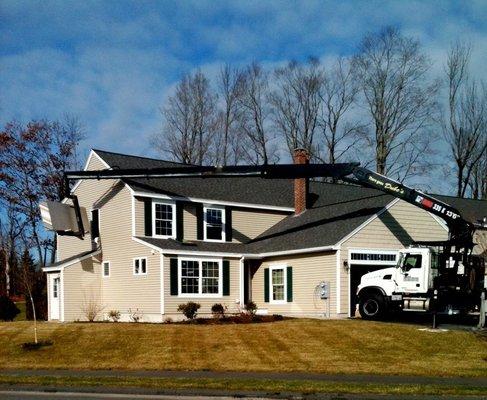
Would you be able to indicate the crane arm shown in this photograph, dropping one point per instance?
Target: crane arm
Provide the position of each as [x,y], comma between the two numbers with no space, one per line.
[460,229]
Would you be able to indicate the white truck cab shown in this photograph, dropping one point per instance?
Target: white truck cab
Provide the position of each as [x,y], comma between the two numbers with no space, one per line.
[407,286]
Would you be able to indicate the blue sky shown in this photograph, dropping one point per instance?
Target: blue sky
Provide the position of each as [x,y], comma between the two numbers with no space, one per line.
[112,63]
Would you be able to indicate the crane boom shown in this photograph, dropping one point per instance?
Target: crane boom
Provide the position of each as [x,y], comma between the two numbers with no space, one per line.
[461,231]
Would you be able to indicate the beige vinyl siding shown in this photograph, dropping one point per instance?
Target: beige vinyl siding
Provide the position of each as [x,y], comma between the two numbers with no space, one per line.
[189,222]
[123,290]
[308,271]
[89,192]
[250,223]
[394,229]
[81,289]
[231,302]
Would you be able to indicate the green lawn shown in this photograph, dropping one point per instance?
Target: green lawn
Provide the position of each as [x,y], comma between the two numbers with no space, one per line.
[346,346]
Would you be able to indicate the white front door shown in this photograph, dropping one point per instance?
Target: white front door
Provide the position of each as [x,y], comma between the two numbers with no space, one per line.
[55,295]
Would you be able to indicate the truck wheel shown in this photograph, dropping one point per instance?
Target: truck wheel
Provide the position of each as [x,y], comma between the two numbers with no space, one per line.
[372,306]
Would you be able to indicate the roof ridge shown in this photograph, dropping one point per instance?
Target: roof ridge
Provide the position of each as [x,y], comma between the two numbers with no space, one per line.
[132,155]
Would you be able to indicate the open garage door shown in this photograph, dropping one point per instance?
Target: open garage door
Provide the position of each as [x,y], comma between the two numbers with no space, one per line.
[362,262]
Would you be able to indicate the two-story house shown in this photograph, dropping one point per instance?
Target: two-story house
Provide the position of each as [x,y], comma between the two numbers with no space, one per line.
[153,244]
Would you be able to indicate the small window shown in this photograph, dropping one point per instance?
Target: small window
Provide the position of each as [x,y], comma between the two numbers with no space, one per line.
[55,288]
[214,224]
[411,261]
[140,266]
[164,219]
[278,284]
[106,268]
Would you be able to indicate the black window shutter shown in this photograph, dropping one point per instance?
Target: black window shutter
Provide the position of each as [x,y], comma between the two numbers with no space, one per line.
[226,278]
[289,284]
[179,221]
[173,273]
[148,216]
[266,285]
[228,224]
[95,224]
[199,221]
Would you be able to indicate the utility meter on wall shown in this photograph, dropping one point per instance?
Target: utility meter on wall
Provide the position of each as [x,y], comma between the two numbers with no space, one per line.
[324,290]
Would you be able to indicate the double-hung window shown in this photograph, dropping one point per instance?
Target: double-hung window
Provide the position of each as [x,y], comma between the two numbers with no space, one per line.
[200,277]
[214,223]
[164,219]
[140,266]
[278,284]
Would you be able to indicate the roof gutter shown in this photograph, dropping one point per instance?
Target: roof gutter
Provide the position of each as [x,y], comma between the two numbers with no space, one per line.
[70,262]
[254,256]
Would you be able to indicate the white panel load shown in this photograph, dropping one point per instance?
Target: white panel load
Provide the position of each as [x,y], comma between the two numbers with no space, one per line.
[61,217]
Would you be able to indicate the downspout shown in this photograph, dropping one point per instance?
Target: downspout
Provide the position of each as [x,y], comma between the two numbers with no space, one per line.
[242,285]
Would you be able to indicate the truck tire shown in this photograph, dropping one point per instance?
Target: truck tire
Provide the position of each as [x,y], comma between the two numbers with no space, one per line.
[372,306]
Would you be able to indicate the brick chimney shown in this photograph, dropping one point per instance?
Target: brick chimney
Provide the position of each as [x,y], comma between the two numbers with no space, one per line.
[301,156]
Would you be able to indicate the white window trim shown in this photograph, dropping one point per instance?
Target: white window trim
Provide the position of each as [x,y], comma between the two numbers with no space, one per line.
[222,209]
[103,269]
[271,292]
[174,227]
[146,266]
[200,278]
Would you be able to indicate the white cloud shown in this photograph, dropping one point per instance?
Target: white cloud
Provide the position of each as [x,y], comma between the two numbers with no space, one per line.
[114,63]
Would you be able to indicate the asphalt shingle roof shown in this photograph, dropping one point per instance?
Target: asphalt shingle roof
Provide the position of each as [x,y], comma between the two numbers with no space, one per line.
[335,209]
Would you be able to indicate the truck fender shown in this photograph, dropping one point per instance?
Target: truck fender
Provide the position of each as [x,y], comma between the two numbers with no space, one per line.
[372,289]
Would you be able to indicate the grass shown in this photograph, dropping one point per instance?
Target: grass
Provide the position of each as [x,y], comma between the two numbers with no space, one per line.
[232,385]
[346,346]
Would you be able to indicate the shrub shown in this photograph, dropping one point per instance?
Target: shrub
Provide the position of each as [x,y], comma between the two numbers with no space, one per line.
[114,315]
[8,309]
[91,310]
[218,310]
[135,315]
[251,307]
[190,309]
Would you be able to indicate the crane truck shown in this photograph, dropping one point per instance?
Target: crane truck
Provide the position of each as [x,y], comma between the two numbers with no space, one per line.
[441,276]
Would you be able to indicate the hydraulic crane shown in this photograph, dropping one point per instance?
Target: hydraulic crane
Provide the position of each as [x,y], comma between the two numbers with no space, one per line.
[430,276]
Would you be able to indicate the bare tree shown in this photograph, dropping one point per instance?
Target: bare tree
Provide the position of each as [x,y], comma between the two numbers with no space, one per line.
[393,75]
[255,115]
[478,183]
[341,134]
[33,158]
[189,118]
[230,86]
[11,228]
[296,103]
[466,126]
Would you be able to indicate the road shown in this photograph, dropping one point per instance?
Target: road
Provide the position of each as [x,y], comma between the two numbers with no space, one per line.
[22,394]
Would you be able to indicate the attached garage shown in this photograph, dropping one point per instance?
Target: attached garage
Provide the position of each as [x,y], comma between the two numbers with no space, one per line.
[362,261]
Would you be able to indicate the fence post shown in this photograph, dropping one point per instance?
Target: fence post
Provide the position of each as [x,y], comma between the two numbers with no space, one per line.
[483,310]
